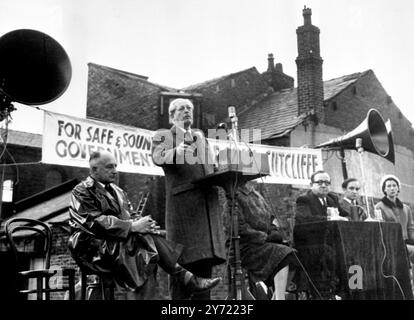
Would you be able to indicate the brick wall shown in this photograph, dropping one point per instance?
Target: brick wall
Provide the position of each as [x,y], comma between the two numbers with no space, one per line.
[34,177]
[123,98]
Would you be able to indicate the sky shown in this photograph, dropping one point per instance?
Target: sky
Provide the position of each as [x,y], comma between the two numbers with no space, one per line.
[182,42]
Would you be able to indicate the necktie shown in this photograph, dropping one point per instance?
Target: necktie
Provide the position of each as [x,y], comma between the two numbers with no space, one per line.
[110,190]
[354,202]
[188,137]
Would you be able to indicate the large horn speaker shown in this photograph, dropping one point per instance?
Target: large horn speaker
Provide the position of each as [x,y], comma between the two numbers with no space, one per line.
[376,138]
[391,154]
[34,68]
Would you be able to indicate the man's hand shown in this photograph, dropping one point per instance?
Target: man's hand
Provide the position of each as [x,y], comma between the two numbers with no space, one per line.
[182,148]
[145,225]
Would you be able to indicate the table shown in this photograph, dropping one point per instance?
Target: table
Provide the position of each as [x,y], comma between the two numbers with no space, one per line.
[348,259]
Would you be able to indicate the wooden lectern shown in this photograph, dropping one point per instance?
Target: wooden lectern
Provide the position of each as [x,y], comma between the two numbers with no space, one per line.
[229,177]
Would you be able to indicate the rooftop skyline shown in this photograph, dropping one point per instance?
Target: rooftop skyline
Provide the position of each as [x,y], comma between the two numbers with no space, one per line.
[183,42]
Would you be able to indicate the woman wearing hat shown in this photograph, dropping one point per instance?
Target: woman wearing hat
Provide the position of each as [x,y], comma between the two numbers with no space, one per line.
[393,210]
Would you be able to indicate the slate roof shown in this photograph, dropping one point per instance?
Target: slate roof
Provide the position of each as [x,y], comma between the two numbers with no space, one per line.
[277,114]
[21,138]
[130,75]
[334,86]
[211,82]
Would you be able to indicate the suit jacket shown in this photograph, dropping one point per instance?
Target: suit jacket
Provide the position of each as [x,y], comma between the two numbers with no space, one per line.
[193,215]
[354,213]
[310,209]
[101,240]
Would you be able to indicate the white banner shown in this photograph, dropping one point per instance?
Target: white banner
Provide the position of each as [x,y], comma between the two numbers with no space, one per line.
[293,165]
[287,165]
[69,141]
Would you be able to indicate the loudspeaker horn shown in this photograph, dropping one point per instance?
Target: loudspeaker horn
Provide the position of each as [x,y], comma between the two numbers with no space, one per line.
[391,154]
[34,68]
[376,138]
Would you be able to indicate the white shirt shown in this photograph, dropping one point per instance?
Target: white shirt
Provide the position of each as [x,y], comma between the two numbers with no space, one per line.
[323,201]
[352,202]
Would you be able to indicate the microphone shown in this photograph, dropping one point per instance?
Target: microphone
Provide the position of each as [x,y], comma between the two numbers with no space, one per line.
[222,126]
[189,138]
[233,118]
[232,111]
[358,145]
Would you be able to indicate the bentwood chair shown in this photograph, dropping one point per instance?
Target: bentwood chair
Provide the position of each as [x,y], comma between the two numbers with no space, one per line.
[18,229]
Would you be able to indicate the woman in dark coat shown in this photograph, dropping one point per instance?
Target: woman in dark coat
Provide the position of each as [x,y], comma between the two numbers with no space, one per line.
[393,210]
[264,252]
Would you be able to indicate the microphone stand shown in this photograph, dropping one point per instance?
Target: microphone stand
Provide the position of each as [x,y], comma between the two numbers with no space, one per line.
[360,149]
[237,285]
[229,177]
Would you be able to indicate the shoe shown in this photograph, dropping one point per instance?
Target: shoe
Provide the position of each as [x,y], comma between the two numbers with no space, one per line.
[262,291]
[198,284]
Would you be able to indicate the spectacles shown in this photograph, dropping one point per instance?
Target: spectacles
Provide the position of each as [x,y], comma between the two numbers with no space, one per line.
[321,182]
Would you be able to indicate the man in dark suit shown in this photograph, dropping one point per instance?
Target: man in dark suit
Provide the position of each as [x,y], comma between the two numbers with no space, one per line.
[313,206]
[193,216]
[105,238]
[349,204]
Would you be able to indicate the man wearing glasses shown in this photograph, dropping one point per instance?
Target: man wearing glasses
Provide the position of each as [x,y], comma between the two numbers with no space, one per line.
[318,201]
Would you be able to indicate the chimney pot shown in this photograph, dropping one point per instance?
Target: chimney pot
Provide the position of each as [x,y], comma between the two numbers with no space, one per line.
[279,67]
[307,14]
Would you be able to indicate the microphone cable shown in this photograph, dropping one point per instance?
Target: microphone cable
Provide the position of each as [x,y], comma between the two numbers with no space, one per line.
[383,260]
[360,151]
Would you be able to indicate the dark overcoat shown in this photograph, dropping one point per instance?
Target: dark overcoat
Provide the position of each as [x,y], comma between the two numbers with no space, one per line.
[193,215]
[354,213]
[101,238]
[310,209]
[261,248]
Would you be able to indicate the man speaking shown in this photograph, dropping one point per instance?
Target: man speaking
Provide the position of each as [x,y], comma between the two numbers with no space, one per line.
[193,216]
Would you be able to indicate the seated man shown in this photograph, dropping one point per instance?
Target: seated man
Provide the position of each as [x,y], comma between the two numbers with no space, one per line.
[314,205]
[350,206]
[263,250]
[105,238]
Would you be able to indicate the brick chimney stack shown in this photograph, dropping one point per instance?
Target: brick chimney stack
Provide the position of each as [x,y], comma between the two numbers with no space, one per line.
[270,63]
[309,68]
[279,67]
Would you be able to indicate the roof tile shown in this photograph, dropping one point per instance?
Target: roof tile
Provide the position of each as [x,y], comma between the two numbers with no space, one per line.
[277,114]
